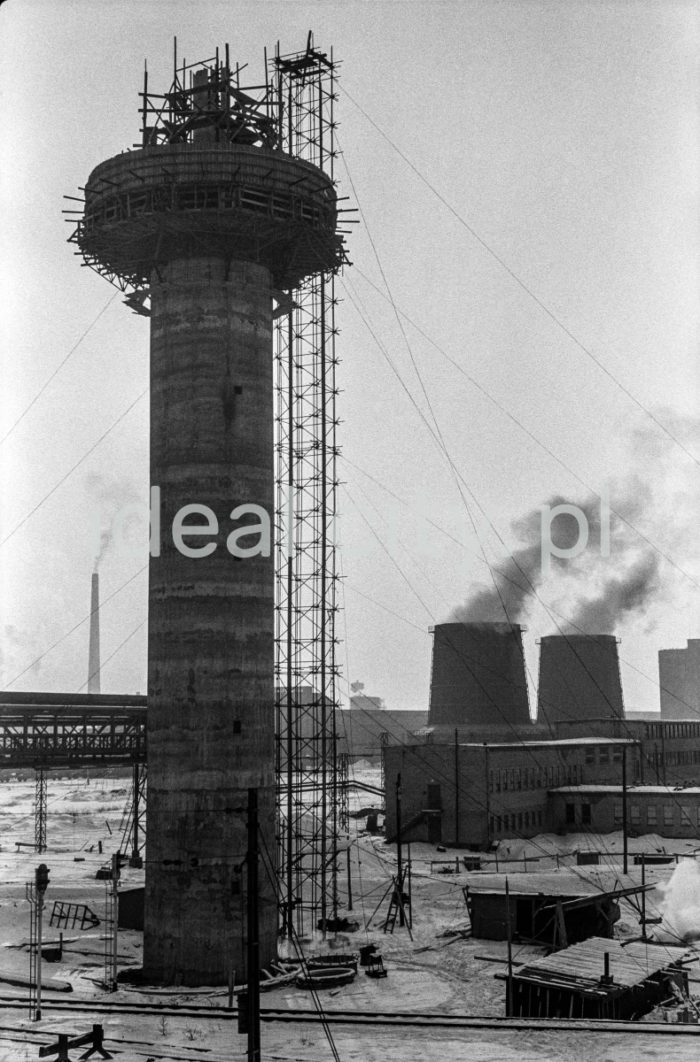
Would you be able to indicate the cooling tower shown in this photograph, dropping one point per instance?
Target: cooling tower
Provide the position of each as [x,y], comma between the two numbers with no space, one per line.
[579,678]
[478,675]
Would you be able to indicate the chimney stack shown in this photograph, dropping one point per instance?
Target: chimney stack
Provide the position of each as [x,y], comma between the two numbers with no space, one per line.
[93,684]
[478,676]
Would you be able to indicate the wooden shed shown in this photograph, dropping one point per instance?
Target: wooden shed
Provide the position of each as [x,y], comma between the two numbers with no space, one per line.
[555,909]
[580,982]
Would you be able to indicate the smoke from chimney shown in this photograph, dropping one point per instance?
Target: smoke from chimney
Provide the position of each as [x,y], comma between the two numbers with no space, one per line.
[622,583]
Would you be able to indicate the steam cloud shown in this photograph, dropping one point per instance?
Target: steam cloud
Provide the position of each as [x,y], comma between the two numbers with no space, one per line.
[680,907]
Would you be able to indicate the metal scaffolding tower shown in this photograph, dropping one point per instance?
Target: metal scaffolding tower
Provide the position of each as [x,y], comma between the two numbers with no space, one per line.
[306,452]
[40,810]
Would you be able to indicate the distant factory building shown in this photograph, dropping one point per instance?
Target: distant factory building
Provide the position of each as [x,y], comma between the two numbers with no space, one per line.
[679,681]
[670,812]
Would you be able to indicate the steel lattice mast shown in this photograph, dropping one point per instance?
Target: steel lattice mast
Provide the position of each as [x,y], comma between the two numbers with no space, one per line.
[306,452]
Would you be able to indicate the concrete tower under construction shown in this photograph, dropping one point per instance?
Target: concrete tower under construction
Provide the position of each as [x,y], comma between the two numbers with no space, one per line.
[209,218]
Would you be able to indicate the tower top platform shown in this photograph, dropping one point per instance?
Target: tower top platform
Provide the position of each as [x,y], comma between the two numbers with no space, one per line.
[146,207]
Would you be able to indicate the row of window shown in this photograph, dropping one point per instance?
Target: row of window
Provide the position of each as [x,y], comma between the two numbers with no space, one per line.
[603,754]
[515,823]
[672,730]
[669,815]
[510,778]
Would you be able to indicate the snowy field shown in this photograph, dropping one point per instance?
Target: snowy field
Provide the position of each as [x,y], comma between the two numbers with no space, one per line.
[436,971]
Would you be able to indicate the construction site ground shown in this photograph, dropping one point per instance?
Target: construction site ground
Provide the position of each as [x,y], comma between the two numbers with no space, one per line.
[435,969]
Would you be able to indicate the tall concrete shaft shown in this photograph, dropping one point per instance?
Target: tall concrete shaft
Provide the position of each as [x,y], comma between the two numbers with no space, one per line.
[210,689]
[93,682]
[209,221]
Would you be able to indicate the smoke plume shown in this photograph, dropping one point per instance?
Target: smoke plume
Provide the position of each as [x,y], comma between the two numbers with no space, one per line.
[595,590]
[109,495]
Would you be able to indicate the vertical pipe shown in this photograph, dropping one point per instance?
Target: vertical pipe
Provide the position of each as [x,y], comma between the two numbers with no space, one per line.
[349,880]
[253,948]
[624,809]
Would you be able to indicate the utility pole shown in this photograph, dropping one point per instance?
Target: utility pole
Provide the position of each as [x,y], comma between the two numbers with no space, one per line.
[509,983]
[41,881]
[644,897]
[399,867]
[114,885]
[253,949]
[624,809]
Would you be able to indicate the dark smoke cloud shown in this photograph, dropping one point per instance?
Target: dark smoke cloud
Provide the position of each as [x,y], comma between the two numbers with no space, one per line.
[618,597]
[521,573]
[623,583]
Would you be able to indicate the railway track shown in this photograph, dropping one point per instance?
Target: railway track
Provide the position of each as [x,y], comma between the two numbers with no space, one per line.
[403,1019]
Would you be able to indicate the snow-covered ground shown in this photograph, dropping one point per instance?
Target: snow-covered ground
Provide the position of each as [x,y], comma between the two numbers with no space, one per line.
[432,969]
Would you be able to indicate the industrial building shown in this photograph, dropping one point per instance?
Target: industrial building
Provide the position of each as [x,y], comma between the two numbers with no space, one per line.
[471,782]
[679,681]
[670,812]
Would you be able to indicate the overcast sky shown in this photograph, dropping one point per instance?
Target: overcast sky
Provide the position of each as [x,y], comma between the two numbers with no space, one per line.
[528,177]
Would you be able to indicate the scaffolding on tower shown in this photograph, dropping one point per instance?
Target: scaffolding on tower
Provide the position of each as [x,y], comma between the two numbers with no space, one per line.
[306,605]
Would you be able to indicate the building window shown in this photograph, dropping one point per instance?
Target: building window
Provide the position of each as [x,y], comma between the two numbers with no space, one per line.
[686,819]
[570,814]
[617,754]
[539,818]
[586,814]
[505,781]
[617,813]
[668,814]
[498,824]
[603,754]
[590,754]
[520,820]
[518,779]
[651,815]
[635,814]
